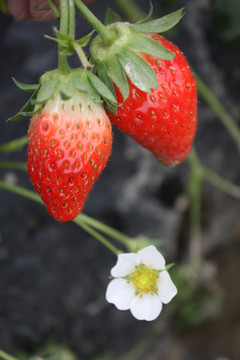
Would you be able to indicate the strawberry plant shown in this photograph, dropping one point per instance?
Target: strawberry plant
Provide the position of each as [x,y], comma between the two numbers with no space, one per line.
[137,80]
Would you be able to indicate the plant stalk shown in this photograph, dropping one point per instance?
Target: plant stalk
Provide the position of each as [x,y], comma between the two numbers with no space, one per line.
[96,235]
[222,184]
[54,8]
[64,21]
[14,165]
[71,30]
[86,64]
[6,356]
[108,230]
[195,193]
[93,20]
[130,10]
[14,145]
[219,110]
[86,222]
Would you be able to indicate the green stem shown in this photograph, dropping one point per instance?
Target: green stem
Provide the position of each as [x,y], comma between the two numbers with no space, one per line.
[13,165]
[108,230]
[222,184]
[71,31]
[130,10]
[81,220]
[64,20]
[6,356]
[195,192]
[20,191]
[219,110]
[54,8]
[93,20]
[117,235]
[82,56]
[14,145]
[97,236]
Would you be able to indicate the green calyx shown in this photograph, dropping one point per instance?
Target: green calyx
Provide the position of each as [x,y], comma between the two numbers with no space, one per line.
[120,33]
[120,59]
[65,86]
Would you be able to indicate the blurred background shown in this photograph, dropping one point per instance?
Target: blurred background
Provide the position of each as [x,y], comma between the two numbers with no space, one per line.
[53,276]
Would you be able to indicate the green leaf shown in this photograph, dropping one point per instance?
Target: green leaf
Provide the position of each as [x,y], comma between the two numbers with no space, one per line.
[138,71]
[46,90]
[110,107]
[14,145]
[27,110]
[169,266]
[101,88]
[102,73]
[149,46]
[111,17]
[83,84]
[85,39]
[160,25]
[118,75]
[62,36]
[64,41]
[25,87]
[66,88]
[149,15]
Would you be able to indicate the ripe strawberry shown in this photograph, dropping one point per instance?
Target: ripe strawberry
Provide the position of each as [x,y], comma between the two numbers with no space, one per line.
[164,120]
[69,144]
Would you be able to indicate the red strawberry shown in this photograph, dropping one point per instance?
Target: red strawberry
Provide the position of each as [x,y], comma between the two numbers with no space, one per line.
[69,144]
[163,121]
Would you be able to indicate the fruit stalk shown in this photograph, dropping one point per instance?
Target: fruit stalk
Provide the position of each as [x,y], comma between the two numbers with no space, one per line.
[64,21]
[86,64]
[93,20]
[71,30]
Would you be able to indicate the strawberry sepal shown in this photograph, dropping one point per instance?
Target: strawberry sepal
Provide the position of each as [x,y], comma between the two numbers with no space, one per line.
[160,25]
[122,57]
[65,86]
[25,87]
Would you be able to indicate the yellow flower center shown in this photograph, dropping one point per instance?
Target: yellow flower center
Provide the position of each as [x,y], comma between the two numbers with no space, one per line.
[144,279]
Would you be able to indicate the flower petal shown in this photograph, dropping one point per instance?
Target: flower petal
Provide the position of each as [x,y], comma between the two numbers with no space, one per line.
[151,257]
[125,264]
[166,288]
[147,307]
[120,293]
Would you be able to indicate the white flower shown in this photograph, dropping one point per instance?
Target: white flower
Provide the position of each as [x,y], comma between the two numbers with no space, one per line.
[141,284]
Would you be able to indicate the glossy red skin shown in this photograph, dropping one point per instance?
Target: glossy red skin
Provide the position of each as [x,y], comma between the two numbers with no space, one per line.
[163,121]
[61,170]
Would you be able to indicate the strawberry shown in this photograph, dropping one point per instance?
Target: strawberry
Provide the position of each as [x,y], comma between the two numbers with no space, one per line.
[69,145]
[164,120]
[155,90]
[69,138]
